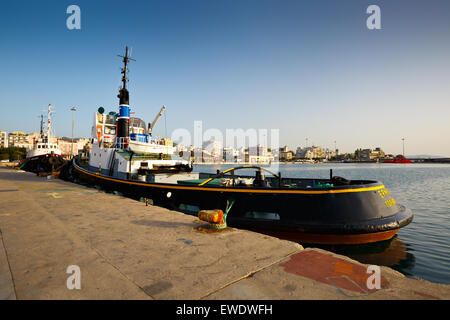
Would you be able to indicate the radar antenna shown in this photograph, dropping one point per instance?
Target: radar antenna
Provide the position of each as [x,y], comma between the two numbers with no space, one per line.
[124,70]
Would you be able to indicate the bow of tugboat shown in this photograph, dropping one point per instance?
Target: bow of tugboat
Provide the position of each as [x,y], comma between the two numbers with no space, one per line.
[361,212]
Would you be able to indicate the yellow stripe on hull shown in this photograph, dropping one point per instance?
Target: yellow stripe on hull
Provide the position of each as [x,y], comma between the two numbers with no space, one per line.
[96,175]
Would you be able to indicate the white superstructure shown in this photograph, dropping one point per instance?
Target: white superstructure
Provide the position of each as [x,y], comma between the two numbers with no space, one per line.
[45,143]
[123,147]
[128,157]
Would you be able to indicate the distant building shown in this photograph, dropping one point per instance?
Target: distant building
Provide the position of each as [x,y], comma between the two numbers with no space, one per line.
[330,154]
[230,154]
[258,155]
[3,139]
[377,153]
[167,142]
[19,139]
[286,154]
[212,150]
[80,144]
[84,144]
[32,137]
[313,152]
[345,156]
[369,154]
[67,148]
[255,159]
[258,151]
[301,152]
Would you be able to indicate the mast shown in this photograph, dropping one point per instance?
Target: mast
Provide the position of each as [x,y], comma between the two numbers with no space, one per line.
[49,123]
[42,125]
[123,119]
[123,92]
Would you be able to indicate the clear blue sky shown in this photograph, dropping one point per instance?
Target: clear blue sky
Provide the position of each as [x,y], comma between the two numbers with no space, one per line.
[310,68]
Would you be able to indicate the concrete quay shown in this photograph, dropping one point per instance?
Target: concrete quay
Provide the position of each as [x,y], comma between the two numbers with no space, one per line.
[126,250]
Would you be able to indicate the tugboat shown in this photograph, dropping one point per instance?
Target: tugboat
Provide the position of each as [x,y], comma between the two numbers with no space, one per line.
[398,159]
[125,158]
[44,155]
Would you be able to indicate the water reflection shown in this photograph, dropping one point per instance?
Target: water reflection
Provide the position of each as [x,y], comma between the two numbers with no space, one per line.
[393,253]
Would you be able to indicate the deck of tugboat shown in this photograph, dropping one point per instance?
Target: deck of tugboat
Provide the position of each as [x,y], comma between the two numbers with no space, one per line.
[127,155]
[307,184]
[299,183]
[127,250]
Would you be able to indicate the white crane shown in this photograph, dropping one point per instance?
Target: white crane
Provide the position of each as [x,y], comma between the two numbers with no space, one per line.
[153,124]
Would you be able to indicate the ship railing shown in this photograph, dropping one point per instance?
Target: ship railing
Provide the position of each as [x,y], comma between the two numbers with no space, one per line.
[122,142]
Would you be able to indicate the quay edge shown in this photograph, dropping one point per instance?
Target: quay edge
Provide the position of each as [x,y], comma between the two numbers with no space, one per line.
[126,250]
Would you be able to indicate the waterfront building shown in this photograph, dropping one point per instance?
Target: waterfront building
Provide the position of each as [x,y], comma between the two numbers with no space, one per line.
[313,152]
[258,150]
[258,155]
[33,137]
[3,139]
[67,147]
[301,153]
[19,139]
[329,154]
[378,153]
[213,149]
[286,154]
[369,154]
[200,155]
[255,159]
[167,142]
[230,154]
[84,144]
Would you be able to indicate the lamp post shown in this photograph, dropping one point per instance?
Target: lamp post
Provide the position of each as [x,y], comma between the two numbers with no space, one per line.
[403,139]
[73,109]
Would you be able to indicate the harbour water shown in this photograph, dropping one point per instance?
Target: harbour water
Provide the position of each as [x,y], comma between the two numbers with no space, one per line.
[419,250]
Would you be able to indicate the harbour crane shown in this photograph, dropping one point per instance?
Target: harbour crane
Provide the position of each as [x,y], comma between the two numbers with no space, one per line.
[153,124]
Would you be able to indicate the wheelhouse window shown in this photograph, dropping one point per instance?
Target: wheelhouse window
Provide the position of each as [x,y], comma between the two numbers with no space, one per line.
[110,130]
[110,119]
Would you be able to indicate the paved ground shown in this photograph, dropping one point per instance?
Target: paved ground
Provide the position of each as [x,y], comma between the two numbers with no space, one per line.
[126,250]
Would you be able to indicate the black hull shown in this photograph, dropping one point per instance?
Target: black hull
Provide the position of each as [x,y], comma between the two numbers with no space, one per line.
[356,213]
[43,163]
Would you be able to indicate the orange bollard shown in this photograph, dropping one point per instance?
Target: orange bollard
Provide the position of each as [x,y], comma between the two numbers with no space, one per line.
[212,216]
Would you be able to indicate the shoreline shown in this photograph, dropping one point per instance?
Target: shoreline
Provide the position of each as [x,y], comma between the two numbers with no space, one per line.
[326,162]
